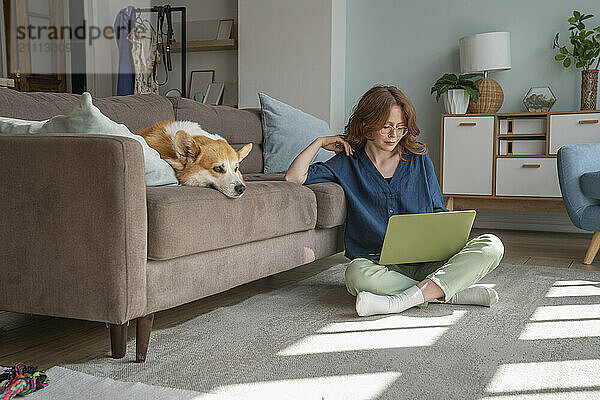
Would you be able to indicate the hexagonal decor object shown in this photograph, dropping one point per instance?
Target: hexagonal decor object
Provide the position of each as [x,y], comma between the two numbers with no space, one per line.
[539,99]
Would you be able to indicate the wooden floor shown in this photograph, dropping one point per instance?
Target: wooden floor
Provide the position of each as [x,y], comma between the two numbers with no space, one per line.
[45,341]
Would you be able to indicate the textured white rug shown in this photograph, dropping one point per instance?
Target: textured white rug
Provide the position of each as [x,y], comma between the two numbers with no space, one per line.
[304,341]
[68,384]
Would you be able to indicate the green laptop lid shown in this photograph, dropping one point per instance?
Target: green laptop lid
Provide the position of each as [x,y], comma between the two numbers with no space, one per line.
[413,238]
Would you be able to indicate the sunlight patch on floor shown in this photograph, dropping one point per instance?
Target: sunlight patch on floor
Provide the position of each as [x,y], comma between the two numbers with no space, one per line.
[578,311]
[573,291]
[342,387]
[368,340]
[545,375]
[579,395]
[561,330]
[393,322]
[575,283]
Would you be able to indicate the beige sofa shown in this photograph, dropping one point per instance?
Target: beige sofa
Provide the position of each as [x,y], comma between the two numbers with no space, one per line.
[83,237]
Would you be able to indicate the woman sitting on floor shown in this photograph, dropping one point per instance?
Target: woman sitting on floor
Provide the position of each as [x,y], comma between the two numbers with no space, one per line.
[384,171]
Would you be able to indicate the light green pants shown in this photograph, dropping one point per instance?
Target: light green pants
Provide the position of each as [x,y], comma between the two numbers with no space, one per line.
[479,256]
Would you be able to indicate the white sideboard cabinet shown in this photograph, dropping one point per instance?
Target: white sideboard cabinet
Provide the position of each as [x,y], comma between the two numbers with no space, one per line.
[508,160]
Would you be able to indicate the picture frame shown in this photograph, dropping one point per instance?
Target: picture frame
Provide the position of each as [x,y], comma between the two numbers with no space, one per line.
[214,93]
[230,94]
[200,80]
[225,29]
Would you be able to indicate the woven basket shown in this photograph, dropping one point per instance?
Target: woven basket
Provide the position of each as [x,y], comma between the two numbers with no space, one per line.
[490,99]
[589,89]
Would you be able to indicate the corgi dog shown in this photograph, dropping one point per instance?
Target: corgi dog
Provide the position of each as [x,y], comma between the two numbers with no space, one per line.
[199,158]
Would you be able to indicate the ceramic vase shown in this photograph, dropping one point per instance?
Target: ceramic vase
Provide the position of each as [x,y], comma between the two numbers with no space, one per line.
[456,101]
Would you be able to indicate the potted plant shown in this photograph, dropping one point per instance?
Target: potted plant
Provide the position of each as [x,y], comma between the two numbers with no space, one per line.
[455,92]
[586,49]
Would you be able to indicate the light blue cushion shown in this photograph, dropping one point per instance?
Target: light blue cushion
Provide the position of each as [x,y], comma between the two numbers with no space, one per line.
[286,132]
[87,118]
[590,184]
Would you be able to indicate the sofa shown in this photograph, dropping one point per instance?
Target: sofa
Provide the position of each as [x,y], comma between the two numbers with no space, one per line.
[83,237]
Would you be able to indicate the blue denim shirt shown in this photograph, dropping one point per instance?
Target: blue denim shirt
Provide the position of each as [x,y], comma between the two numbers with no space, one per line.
[371,200]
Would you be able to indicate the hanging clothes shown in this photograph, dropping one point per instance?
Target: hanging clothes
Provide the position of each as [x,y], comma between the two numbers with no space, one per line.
[123,25]
[143,50]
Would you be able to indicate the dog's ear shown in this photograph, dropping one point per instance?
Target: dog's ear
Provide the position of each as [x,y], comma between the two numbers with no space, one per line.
[244,151]
[185,147]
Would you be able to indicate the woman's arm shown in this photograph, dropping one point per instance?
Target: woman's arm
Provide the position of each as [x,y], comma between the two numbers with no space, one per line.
[298,170]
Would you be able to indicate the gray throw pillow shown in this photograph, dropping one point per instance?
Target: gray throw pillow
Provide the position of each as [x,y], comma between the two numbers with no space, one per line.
[87,118]
[286,132]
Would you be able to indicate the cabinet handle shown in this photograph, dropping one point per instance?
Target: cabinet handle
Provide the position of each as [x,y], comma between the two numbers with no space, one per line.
[531,165]
[471,123]
[588,121]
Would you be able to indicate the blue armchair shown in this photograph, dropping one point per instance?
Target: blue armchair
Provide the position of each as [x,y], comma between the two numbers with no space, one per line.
[579,178]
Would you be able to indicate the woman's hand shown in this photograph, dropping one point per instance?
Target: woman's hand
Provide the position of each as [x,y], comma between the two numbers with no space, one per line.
[337,144]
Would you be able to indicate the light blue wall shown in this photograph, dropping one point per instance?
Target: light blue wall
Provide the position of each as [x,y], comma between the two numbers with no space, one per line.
[411,43]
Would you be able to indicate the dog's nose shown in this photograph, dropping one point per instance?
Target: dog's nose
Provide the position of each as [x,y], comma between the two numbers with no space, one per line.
[239,189]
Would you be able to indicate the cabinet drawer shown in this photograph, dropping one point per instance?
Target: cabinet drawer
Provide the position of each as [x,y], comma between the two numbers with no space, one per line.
[467,159]
[527,177]
[573,128]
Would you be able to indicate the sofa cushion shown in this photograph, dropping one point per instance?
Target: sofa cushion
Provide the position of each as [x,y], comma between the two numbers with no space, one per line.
[238,127]
[590,184]
[136,112]
[331,204]
[331,200]
[187,220]
[263,177]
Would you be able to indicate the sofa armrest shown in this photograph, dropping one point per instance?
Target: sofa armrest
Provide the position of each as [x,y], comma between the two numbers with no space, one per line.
[331,204]
[74,226]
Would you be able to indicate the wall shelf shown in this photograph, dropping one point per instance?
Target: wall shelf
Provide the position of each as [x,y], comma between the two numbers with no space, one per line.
[206,45]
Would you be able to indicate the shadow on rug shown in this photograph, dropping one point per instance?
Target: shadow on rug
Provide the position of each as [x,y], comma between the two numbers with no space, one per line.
[304,341]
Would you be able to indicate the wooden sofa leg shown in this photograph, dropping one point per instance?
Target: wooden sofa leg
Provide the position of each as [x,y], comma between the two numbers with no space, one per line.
[593,249]
[142,337]
[118,340]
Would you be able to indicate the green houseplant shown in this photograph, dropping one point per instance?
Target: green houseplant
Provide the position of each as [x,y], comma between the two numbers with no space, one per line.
[585,51]
[455,92]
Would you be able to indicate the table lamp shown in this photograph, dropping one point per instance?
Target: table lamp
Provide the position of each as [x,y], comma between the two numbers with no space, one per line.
[485,52]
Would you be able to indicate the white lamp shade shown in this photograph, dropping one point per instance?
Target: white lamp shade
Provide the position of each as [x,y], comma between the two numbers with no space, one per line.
[485,52]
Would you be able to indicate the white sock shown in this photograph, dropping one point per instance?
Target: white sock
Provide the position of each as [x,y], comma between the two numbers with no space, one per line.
[370,304]
[476,295]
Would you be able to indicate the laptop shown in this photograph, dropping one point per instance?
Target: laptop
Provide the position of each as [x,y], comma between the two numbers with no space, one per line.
[413,238]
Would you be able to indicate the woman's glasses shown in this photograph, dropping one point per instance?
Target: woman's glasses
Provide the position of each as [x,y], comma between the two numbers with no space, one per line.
[388,129]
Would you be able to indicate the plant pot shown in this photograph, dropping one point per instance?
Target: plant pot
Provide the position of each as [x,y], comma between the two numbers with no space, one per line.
[589,89]
[456,101]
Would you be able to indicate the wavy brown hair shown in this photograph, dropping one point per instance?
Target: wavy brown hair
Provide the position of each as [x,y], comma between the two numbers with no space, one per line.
[371,114]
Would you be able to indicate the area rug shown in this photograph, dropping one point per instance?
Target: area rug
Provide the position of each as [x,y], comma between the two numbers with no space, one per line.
[69,384]
[304,341]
